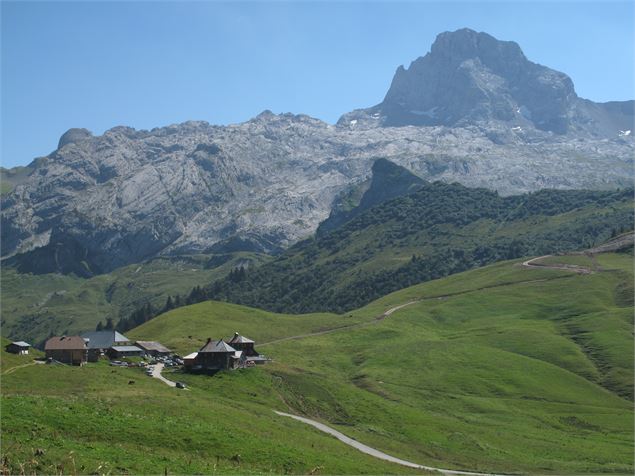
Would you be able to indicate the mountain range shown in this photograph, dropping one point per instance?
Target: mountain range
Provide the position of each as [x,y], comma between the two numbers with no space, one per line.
[474,110]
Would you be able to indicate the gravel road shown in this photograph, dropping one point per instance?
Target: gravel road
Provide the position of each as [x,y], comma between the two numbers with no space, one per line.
[372,451]
[156,373]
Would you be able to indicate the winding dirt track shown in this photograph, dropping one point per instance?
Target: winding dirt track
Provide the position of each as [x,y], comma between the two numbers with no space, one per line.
[379,454]
[574,268]
[13,369]
[372,451]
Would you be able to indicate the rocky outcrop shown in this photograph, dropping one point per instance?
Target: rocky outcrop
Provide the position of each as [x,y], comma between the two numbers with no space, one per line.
[388,181]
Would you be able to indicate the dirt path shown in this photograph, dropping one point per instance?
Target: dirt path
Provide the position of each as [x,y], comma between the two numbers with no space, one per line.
[372,451]
[342,328]
[388,312]
[13,369]
[574,268]
[156,373]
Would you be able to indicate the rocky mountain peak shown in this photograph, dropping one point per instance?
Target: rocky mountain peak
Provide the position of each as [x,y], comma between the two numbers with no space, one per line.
[463,44]
[471,78]
[73,136]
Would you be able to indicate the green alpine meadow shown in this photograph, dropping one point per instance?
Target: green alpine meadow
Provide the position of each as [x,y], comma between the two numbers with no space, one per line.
[505,369]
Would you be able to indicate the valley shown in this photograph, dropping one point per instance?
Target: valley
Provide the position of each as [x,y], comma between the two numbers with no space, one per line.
[500,369]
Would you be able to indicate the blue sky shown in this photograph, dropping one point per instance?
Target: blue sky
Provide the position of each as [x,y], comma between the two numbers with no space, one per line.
[144,64]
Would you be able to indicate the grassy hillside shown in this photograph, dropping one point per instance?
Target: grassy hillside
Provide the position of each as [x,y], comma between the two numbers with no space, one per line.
[502,368]
[436,231]
[34,306]
[10,362]
[92,420]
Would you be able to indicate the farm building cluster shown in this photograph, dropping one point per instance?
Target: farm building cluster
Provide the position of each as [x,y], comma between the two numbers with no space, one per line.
[237,352]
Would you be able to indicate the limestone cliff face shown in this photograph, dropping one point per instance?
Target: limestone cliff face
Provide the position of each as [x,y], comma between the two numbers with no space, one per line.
[474,110]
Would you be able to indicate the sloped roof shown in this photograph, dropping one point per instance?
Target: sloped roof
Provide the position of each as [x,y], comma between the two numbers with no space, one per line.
[152,345]
[126,348]
[65,343]
[216,346]
[104,339]
[190,356]
[21,343]
[238,339]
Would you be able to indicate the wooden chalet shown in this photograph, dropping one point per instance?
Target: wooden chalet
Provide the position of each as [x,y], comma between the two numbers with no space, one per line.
[69,350]
[214,355]
[246,346]
[19,347]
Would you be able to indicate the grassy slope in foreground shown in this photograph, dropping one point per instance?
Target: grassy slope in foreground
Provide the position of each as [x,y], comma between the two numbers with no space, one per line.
[532,371]
[487,373]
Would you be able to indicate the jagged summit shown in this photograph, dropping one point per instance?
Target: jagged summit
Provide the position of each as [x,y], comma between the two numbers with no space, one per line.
[472,78]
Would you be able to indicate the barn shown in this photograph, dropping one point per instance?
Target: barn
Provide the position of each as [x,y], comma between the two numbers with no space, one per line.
[155,349]
[19,347]
[99,342]
[69,350]
[119,351]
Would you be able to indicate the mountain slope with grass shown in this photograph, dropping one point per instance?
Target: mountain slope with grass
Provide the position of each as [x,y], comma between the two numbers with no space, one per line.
[505,368]
[34,306]
[437,230]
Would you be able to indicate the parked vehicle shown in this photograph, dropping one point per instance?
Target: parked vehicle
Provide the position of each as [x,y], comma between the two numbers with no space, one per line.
[180,385]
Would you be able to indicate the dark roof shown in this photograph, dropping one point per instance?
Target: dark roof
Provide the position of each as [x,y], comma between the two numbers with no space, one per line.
[21,343]
[216,346]
[152,345]
[238,339]
[65,343]
[126,348]
[104,339]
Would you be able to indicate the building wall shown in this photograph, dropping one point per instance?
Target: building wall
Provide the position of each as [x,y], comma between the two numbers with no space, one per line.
[74,357]
[214,360]
[248,349]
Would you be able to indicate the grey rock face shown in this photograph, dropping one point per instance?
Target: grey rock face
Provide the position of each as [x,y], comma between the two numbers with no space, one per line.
[99,202]
[471,77]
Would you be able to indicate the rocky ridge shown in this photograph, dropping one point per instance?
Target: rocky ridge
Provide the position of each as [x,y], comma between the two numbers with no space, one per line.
[99,202]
